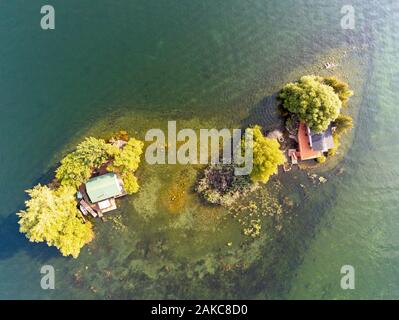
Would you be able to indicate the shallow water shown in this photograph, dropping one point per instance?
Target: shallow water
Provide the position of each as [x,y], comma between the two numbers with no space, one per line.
[136,65]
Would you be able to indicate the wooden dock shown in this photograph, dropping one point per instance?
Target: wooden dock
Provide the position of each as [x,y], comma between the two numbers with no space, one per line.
[86,209]
[99,208]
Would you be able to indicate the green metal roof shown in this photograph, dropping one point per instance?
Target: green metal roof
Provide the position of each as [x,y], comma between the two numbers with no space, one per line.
[103,187]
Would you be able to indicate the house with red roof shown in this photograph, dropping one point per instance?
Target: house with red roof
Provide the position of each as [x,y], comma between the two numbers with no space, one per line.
[312,145]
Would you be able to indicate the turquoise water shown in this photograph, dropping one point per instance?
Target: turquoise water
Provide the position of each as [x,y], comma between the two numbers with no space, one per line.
[205,63]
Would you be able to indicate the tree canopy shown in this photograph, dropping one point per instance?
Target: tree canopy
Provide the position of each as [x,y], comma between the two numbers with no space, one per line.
[267,156]
[340,88]
[130,182]
[78,166]
[313,100]
[343,123]
[51,216]
[126,163]
[129,157]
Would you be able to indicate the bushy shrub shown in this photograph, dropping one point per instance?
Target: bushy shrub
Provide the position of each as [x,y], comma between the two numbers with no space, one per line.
[219,185]
[321,159]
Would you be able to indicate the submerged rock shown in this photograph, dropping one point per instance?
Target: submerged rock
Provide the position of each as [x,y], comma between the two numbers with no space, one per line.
[276,134]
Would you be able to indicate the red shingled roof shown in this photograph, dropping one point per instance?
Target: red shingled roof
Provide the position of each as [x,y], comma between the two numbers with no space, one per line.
[305,150]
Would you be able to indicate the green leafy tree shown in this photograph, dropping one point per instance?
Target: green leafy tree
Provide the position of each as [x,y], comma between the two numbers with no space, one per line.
[267,156]
[340,88]
[126,162]
[78,166]
[51,216]
[313,101]
[129,157]
[343,123]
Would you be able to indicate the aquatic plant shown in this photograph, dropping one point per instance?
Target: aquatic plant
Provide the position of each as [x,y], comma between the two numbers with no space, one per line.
[261,203]
[174,197]
[219,184]
[51,216]
[146,201]
[313,101]
[267,156]
[254,229]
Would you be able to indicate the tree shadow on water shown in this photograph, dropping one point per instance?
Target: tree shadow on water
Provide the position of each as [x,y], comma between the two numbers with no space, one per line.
[12,242]
[265,113]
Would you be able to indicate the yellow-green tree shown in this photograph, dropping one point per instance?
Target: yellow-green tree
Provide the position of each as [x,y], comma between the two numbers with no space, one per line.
[126,163]
[51,216]
[313,101]
[130,182]
[340,88]
[78,166]
[267,156]
[343,123]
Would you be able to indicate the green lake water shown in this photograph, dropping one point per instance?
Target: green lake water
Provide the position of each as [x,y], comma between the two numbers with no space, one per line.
[137,64]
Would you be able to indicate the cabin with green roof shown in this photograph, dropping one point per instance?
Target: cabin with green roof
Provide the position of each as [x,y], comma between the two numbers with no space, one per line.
[99,194]
[104,187]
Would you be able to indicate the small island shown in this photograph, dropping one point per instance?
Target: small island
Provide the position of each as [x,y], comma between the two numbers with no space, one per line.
[314,119]
[87,182]
[312,128]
